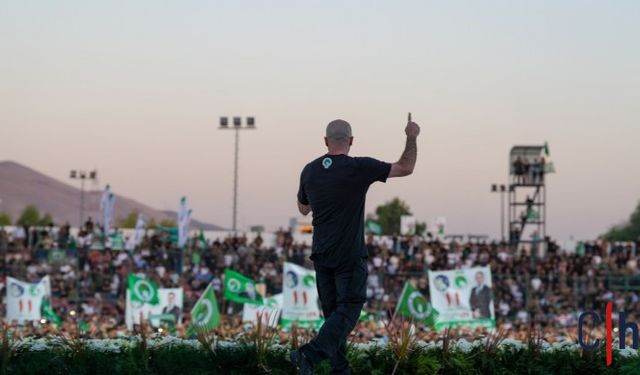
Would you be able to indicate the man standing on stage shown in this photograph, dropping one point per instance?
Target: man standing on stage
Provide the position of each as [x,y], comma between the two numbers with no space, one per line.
[334,187]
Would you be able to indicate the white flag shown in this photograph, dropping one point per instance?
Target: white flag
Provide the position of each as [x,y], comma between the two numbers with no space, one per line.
[140,228]
[24,300]
[105,196]
[184,217]
[107,212]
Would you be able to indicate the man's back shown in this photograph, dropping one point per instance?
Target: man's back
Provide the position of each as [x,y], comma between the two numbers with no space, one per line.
[335,186]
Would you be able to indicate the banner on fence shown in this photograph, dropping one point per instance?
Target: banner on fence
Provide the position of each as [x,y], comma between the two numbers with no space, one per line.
[168,309]
[462,297]
[269,311]
[300,297]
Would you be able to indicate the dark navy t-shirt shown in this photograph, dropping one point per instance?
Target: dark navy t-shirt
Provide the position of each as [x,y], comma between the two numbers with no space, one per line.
[335,186]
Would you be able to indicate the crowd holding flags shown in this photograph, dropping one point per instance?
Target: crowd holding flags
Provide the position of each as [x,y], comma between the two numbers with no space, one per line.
[298,303]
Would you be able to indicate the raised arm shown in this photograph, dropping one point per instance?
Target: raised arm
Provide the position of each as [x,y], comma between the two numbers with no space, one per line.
[407,162]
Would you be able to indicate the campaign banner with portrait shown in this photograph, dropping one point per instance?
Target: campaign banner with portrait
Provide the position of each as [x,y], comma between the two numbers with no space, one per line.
[462,297]
[169,308]
[300,297]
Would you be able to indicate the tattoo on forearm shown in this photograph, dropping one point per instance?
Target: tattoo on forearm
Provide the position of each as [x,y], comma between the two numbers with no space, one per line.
[410,154]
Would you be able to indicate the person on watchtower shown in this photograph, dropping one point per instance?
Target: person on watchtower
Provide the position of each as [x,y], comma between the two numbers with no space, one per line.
[334,187]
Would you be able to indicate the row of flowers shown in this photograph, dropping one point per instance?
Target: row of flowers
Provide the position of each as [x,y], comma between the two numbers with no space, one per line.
[124,344]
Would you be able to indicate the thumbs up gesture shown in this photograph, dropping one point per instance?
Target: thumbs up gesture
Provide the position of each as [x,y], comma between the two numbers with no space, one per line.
[412,130]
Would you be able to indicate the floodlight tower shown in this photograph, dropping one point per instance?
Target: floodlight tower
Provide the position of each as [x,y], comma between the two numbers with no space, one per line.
[528,196]
[237,126]
[82,176]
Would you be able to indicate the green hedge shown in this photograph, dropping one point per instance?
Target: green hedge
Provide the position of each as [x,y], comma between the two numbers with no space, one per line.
[173,356]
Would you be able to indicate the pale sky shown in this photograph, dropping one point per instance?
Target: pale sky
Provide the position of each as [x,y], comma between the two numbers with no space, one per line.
[135,89]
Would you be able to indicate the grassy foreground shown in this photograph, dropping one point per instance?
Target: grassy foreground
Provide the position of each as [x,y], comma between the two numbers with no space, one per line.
[169,355]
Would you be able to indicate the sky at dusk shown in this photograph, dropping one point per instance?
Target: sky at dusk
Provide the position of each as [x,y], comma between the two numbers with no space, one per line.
[135,89]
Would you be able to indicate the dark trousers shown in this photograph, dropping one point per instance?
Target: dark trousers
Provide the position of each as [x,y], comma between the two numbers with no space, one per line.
[342,291]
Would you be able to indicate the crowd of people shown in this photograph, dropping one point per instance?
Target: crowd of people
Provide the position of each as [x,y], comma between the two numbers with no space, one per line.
[529,172]
[547,293]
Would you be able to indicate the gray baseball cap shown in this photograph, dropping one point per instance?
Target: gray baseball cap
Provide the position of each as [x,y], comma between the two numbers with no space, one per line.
[338,130]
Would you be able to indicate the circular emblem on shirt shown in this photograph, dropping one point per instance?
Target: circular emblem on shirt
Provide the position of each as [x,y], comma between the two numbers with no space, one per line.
[326,163]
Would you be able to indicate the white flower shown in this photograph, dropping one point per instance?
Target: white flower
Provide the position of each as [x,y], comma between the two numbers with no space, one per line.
[512,344]
[628,352]
[463,346]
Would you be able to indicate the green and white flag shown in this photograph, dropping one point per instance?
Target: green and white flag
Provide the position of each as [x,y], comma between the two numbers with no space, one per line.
[201,241]
[374,227]
[143,290]
[546,148]
[239,288]
[57,256]
[414,305]
[205,313]
[49,313]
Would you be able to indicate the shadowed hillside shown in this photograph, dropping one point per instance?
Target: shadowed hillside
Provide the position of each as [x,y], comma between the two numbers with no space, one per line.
[21,186]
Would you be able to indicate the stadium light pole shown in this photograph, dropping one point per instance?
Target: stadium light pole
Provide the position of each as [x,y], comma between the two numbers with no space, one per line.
[82,176]
[501,188]
[237,126]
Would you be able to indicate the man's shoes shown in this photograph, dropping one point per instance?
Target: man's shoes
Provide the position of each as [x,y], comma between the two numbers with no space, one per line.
[301,363]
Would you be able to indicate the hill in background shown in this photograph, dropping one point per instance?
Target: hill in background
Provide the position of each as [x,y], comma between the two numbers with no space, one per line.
[21,186]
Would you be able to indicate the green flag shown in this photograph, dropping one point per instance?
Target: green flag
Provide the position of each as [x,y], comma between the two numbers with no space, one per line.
[546,149]
[239,288]
[374,227]
[415,306]
[57,256]
[205,313]
[202,242]
[83,326]
[48,312]
[143,290]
